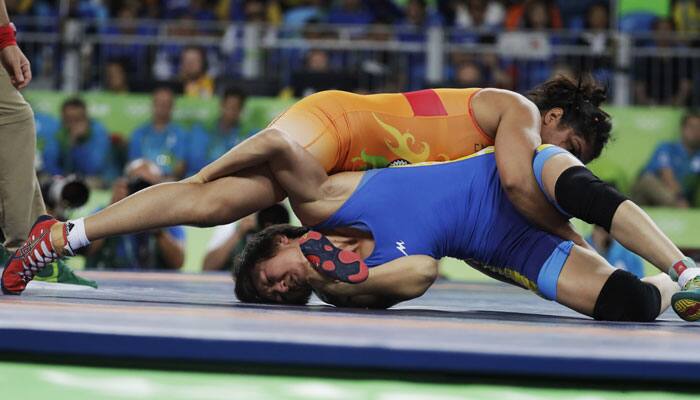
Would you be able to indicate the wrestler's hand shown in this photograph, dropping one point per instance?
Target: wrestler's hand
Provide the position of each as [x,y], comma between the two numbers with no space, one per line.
[17,66]
[196,178]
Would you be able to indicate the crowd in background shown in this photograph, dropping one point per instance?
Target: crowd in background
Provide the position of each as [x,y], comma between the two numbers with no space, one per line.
[158,151]
[198,70]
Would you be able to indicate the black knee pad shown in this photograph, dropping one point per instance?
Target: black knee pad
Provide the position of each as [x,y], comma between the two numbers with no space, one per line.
[626,298]
[585,196]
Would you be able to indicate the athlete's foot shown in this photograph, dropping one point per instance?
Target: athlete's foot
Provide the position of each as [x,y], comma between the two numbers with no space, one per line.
[686,303]
[34,255]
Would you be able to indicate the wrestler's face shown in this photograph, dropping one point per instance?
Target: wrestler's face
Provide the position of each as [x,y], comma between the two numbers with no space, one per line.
[283,278]
[554,132]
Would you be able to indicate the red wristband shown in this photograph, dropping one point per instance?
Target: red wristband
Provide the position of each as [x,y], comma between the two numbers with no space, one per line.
[7,35]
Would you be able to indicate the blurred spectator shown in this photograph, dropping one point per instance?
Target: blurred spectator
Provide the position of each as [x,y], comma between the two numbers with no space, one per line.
[133,55]
[156,249]
[309,10]
[249,11]
[207,143]
[193,73]
[686,15]
[115,79]
[229,240]
[151,9]
[413,29]
[254,11]
[534,47]
[161,140]
[186,27]
[534,14]
[573,13]
[418,15]
[376,72]
[478,14]
[384,11]
[84,146]
[469,74]
[317,61]
[672,175]
[598,61]
[663,78]
[318,75]
[349,12]
[198,10]
[615,253]
[47,148]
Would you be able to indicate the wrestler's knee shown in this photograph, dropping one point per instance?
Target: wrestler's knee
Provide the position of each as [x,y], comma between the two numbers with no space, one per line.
[626,298]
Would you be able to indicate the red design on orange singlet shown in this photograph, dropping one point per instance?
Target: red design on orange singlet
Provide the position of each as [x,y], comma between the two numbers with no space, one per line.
[425,103]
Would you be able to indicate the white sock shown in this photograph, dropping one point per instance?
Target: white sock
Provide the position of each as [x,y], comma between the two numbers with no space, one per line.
[687,275]
[75,235]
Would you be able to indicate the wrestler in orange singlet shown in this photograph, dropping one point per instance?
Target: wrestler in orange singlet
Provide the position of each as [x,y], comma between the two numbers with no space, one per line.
[350,132]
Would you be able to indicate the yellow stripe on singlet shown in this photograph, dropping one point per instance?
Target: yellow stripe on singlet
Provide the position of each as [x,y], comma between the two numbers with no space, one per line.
[482,152]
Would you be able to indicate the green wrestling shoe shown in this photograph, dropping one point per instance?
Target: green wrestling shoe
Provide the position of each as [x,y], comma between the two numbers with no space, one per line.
[686,303]
[59,272]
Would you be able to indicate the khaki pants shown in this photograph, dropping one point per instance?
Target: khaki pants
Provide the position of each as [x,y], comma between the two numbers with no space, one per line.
[649,190]
[20,196]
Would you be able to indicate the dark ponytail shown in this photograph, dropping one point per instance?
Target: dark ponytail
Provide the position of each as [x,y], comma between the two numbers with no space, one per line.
[581,102]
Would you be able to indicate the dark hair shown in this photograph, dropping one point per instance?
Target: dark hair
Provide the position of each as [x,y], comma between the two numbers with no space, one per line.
[690,113]
[73,102]
[163,87]
[660,20]
[273,215]
[234,91]
[581,104]
[260,247]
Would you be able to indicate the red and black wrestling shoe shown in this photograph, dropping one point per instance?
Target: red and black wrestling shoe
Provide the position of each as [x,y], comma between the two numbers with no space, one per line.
[34,255]
[342,265]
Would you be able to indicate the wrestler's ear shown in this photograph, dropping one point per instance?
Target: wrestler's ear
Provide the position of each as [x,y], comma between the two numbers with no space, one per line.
[553,116]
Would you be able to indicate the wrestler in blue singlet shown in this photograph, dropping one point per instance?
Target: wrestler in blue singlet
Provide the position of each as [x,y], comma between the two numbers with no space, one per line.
[453,209]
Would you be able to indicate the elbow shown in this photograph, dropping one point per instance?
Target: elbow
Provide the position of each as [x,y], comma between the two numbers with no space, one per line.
[515,188]
[425,276]
[275,139]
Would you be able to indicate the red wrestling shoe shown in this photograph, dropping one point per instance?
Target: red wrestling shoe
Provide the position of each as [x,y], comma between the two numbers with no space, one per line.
[34,255]
[342,265]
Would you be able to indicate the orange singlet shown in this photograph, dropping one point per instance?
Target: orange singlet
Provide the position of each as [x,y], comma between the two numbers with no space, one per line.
[350,132]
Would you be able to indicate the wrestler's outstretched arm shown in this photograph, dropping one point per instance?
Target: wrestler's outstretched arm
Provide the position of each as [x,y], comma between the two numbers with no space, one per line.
[399,280]
[246,154]
[515,121]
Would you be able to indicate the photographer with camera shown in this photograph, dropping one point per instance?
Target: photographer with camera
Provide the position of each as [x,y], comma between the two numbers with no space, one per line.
[156,249]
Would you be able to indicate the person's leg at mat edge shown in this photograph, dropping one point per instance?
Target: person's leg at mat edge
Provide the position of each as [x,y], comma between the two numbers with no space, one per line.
[575,191]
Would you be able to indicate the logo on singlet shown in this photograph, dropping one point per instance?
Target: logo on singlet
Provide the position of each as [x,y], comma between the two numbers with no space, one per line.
[398,163]
[400,246]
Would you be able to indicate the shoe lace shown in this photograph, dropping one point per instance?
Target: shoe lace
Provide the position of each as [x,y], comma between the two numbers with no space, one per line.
[33,261]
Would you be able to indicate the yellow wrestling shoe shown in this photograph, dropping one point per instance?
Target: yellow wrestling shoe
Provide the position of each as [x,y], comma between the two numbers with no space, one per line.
[686,303]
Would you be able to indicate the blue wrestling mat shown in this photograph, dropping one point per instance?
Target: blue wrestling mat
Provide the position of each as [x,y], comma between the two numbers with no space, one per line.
[485,329]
